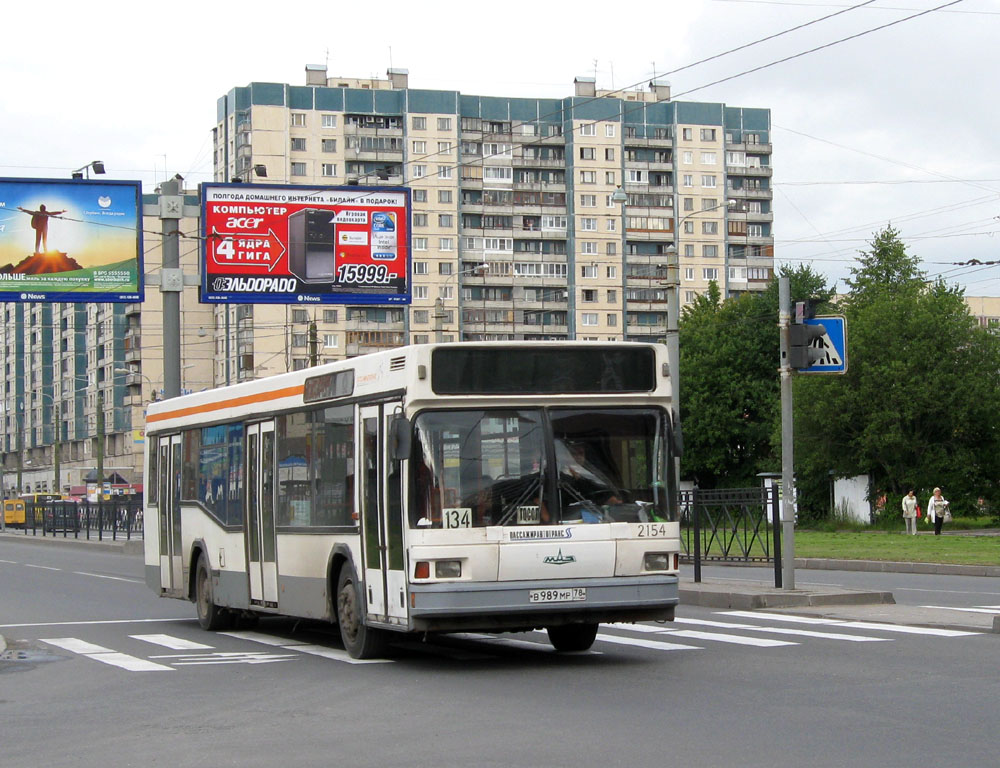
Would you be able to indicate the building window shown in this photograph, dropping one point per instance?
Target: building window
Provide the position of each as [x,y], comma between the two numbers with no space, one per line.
[329,169]
[688,180]
[612,296]
[609,130]
[444,195]
[420,195]
[708,158]
[498,173]
[420,147]
[588,177]
[444,147]
[612,272]
[688,203]
[298,169]
[689,273]
[588,201]
[690,296]
[298,145]
[589,248]
[709,204]
[446,244]
[710,251]
[445,268]
[329,315]
[612,225]
[708,181]
[331,340]
[446,291]
[612,319]
[710,273]
[444,171]
[636,177]
[588,224]
[419,123]
[708,134]
[444,123]
[300,316]
[710,227]
[420,219]
[588,294]
[419,243]
[588,129]
[588,318]
[445,220]
[328,145]
[612,249]
[610,178]
[686,134]
[688,249]
[609,154]
[421,316]
[420,291]
[688,227]
[586,153]
[298,119]
[329,121]
[418,171]
[687,157]
[420,267]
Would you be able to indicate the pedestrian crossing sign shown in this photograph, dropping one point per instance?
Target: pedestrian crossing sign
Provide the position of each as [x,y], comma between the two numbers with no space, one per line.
[832,343]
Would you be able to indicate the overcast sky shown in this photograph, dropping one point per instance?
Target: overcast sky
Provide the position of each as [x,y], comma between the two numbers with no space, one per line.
[894,126]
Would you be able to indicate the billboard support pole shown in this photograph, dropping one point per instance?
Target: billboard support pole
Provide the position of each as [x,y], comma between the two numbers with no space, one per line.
[171,284]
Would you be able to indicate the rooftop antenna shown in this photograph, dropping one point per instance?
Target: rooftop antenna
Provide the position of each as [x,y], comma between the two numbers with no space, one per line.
[390,57]
[595,71]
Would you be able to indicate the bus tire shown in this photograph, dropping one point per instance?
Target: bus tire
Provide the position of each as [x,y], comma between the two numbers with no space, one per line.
[210,616]
[572,637]
[360,641]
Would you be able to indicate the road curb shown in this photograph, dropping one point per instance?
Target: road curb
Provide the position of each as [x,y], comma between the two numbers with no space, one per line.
[713,594]
[893,566]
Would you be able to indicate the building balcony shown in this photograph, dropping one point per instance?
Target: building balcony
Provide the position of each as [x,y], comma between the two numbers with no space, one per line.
[373,155]
[762,170]
[757,149]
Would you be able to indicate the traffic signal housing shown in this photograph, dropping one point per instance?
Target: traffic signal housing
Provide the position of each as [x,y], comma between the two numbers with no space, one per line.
[803,352]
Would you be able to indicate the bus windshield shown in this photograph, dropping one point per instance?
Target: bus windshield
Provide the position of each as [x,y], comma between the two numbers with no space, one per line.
[478,468]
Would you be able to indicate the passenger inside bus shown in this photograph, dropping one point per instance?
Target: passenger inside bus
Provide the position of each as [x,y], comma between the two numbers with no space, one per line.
[585,485]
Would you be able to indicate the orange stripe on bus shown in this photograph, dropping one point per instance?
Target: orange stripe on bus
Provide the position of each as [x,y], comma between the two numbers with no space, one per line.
[261,397]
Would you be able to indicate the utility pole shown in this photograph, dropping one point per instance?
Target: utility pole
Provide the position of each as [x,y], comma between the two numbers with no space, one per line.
[787,436]
[56,452]
[100,444]
[313,345]
[171,284]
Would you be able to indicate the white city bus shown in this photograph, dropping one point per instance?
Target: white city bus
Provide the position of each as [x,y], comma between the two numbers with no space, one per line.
[432,488]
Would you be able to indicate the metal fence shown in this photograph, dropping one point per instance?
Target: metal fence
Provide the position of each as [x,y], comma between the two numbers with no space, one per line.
[731,525]
[114,520]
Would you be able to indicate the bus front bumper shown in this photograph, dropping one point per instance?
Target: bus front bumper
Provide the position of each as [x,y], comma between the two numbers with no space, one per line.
[515,606]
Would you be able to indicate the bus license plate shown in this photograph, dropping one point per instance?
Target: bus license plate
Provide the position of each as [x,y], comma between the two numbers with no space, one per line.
[569,595]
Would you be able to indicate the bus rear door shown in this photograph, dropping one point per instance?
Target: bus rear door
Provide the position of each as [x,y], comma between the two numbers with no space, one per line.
[171,554]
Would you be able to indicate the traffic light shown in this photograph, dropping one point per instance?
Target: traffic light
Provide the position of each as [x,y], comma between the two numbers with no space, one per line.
[803,352]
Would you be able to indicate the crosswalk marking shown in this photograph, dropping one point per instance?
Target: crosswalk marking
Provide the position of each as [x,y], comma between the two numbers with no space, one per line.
[785,631]
[722,637]
[238,657]
[869,625]
[174,643]
[302,647]
[106,655]
[995,610]
[655,645]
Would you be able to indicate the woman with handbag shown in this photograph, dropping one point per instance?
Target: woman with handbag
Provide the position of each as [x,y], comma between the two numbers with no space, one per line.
[910,509]
[937,511]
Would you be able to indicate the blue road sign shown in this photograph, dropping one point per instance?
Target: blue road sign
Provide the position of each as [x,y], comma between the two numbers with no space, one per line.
[833,343]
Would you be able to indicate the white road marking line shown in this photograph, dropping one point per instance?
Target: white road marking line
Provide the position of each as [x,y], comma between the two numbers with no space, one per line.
[11,562]
[260,637]
[298,645]
[43,567]
[722,637]
[870,625]
[113,578]
[106,655]
[238,657]
[173,643]
[946,591]
[993,611]
[785,631]
[907,629]
[776,617]
[88,623]
[655,645]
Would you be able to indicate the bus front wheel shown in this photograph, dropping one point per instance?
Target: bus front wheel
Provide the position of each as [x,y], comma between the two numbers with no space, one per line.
[360,641]
[210,616]
[572,637]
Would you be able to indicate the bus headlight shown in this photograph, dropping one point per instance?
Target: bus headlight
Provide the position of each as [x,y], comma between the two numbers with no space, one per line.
[656,561]
[448,569]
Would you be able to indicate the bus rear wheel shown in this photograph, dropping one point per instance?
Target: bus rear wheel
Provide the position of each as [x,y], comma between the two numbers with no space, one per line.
[572,637]
[360,641]
[210,616]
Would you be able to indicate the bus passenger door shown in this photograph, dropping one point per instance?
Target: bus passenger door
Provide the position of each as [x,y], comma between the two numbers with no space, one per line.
[262,565]
[381,519]
[171,553]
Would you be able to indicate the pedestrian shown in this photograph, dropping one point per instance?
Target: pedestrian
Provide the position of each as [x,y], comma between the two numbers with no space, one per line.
[937,510]
[910,513]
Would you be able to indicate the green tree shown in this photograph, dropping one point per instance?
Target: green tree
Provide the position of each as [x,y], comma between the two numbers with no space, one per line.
[730,400]
[919,404]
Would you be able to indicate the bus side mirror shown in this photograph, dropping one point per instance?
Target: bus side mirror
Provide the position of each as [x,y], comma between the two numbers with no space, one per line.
[678,433]
[399,438]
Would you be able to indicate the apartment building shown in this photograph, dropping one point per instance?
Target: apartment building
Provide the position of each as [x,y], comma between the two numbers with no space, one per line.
[515,234]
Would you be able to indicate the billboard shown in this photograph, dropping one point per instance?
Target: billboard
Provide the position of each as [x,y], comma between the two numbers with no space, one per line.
[264,244]
[70,240]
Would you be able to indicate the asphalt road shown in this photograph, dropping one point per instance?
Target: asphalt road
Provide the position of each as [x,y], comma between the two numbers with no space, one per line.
[110,675]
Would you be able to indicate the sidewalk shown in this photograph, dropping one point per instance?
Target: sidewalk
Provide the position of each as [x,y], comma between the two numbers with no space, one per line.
[122,545]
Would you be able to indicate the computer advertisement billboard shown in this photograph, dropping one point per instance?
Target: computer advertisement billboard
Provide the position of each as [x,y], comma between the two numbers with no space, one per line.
[264,244]
[70,240]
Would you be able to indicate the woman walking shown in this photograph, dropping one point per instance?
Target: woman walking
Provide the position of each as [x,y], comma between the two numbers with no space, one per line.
[910,513]
[937,508]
